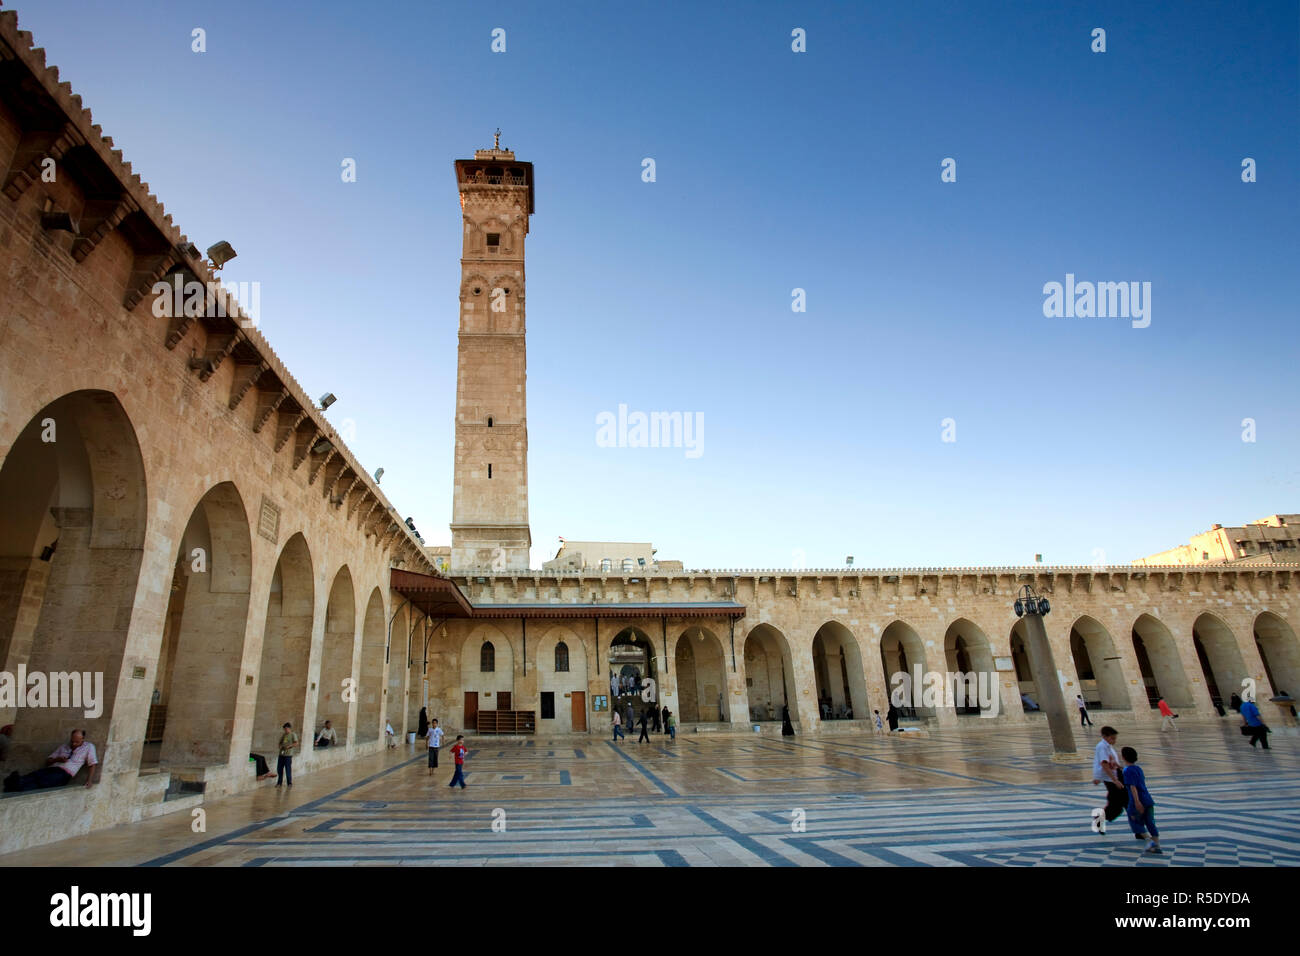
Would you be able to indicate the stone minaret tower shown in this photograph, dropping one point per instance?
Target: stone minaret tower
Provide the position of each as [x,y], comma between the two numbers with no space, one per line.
[489,515]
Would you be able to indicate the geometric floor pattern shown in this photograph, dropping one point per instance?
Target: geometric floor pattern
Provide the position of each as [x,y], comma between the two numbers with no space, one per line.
[956,798]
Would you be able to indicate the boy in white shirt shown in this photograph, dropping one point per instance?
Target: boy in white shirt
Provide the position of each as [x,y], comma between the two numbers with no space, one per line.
[435,741]
[1105,769]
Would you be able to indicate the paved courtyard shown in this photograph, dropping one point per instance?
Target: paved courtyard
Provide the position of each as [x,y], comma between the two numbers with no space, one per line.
[961,798]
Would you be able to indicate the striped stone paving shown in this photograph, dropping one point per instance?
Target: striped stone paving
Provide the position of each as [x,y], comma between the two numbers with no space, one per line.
[960,798]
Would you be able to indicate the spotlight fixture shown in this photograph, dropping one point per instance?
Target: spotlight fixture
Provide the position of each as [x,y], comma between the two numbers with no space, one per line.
[327,400]
[219,254]
[54,221]
[188,250]
[322,446]
[202,364]
[848,560]
[379,473]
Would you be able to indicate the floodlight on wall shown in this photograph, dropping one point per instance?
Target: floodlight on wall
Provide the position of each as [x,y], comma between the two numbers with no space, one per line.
[188,250]
[54,221]
[327,400]
[379,473]
[219,254]
[322,446]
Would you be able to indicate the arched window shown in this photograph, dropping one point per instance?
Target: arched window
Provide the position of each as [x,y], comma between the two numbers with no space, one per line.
[561,657]
[487,658]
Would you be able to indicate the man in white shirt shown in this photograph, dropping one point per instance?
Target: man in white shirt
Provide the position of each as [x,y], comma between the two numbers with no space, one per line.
[327,737]
[1105,769]
[435,741]
[388,733]
[60,766]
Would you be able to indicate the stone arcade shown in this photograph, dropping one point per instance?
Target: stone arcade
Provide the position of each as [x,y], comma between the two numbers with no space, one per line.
[196,532]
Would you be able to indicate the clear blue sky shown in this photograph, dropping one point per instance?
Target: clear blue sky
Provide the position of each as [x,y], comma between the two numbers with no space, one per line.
[775,170]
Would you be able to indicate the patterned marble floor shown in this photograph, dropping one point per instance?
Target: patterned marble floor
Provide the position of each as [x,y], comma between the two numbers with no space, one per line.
[960,798]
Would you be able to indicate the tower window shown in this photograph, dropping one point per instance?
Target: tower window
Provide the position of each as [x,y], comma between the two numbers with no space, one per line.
[493,239]
[487,658]
[489,421]
[489,471]
[561,657]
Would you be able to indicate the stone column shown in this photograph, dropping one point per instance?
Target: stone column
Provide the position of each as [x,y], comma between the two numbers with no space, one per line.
[1050,697]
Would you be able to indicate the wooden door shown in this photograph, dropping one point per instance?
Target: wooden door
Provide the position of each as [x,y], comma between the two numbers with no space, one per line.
[471,710]
[579,711]
[503,700]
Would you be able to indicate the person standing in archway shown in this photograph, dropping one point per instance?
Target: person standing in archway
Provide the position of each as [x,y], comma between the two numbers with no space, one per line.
[284,763]
[891,716]
[787,728]
[422,728]
[645,726]
[618,725]
[1084,719]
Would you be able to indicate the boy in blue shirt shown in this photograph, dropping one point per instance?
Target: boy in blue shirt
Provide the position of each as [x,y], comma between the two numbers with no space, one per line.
[1141,808]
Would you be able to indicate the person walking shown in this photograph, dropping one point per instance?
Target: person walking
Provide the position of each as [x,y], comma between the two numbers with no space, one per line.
[1141,808]
[284,763]
[458,752]
[389,735]
[1105,769]
[435,742]
[891,716]
[645,727]
[618,726]
[880,727]
[1252,724]
[665,717]
[1167,714]
[422,727]
[671,723]
[1084,719]
[654,717]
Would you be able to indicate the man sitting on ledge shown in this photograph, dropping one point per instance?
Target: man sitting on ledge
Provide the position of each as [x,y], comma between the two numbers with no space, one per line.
[60,766]
[327,737]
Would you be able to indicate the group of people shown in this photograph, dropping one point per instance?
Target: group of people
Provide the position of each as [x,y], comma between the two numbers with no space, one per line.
[1126,791]
[433,734]
[652,719]
[621,685]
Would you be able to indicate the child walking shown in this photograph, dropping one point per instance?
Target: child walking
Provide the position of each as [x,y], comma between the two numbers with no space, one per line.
[458,751]
[1141,808]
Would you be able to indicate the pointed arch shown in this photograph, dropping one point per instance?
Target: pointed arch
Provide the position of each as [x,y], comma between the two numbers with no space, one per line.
[283,675]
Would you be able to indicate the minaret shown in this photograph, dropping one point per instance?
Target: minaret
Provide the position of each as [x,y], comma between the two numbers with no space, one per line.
[489,514]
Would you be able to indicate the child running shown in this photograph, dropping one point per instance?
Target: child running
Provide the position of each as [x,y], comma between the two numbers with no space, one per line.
[1141,808]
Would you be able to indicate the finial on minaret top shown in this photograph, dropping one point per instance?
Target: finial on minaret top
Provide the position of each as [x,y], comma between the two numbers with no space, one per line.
[496,139]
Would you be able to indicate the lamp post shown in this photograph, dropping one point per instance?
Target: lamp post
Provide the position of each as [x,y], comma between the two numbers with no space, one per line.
[1031,608]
